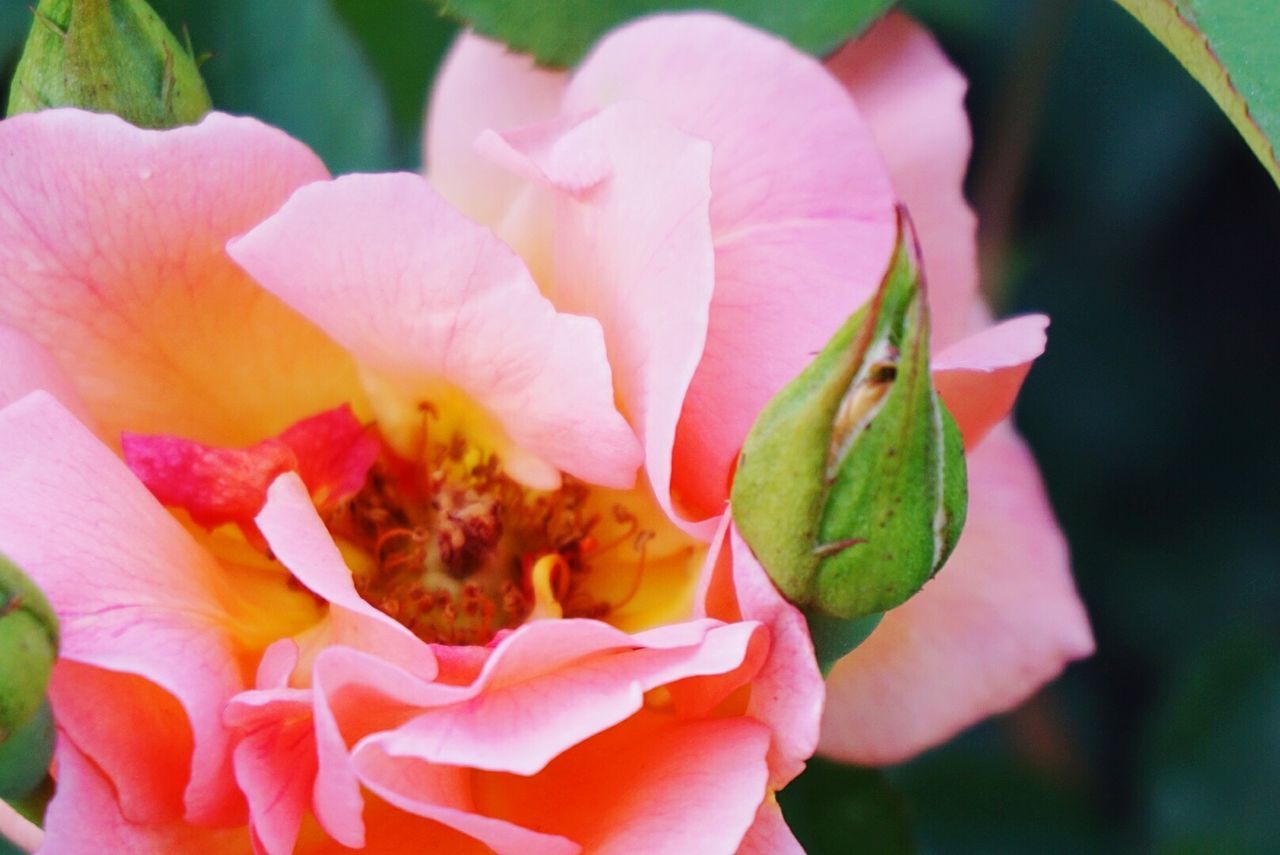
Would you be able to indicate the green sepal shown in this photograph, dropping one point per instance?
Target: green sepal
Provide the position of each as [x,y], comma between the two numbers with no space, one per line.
[833,637]
[109,56]
[851,487]
[28,648]
[25,756]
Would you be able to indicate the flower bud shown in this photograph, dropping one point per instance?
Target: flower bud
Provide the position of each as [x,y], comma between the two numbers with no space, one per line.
[113,56]
[851,486]
[28,647]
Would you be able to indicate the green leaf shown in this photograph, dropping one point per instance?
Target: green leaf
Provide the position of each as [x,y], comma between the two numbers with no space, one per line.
[850,488]
[559,32]
[1233,49]
[111,56]
[405,41]
[293,65]
[835,809]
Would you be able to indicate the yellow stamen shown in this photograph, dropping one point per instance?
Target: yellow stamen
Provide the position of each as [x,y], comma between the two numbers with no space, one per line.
[542,579]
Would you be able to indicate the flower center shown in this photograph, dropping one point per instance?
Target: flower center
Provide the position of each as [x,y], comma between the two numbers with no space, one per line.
[456,550]
[436,533]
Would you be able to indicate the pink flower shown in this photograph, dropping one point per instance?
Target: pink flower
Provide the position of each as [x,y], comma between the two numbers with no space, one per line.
[703,127]
[407,584]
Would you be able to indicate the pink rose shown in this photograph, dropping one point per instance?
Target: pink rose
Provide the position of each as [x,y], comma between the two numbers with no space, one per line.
[800,212]
[408,585]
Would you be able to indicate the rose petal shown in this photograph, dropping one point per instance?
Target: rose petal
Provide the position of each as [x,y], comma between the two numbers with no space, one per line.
[523,711]
[419,787]
[652,784]
[999,620]
[331,451]
[427,300]
[85,817]
[481,86]
[788,693]
[769,834]
[801,211]
[913,99]
[299,540]
[111,256]
[132,590]
[26,366]
[633,249]
[979,377]
[275,762]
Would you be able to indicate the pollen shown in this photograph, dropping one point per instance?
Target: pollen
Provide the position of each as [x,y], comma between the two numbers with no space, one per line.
[457,551]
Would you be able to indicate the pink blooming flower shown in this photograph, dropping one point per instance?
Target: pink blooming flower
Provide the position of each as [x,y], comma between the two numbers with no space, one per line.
[365,525]
[753,203]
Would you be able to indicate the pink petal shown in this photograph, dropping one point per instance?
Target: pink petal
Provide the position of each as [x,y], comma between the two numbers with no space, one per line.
[419,788]
[427,300]
[633,249]
[482,86]
[26,366]
[979,377]
[299,540]
[788,693]
[520,715]
[787,688]
[111,256]
[275,762]
[133,729]
[133,592]
[769,834]
[1001,619]
[913,98]
[84,817]
[801,212]
[652,784]
[354,694]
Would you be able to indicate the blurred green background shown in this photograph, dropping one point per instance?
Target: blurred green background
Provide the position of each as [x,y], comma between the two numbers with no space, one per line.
[1115,198]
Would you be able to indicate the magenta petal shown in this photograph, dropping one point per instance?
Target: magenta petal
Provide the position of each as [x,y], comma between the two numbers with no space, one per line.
[1000,619]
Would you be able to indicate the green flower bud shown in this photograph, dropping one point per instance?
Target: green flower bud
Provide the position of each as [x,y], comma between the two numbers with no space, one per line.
[851,486]
[28,647]
[112,56]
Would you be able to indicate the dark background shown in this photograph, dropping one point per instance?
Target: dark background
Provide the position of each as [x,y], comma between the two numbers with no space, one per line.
[1115,198]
